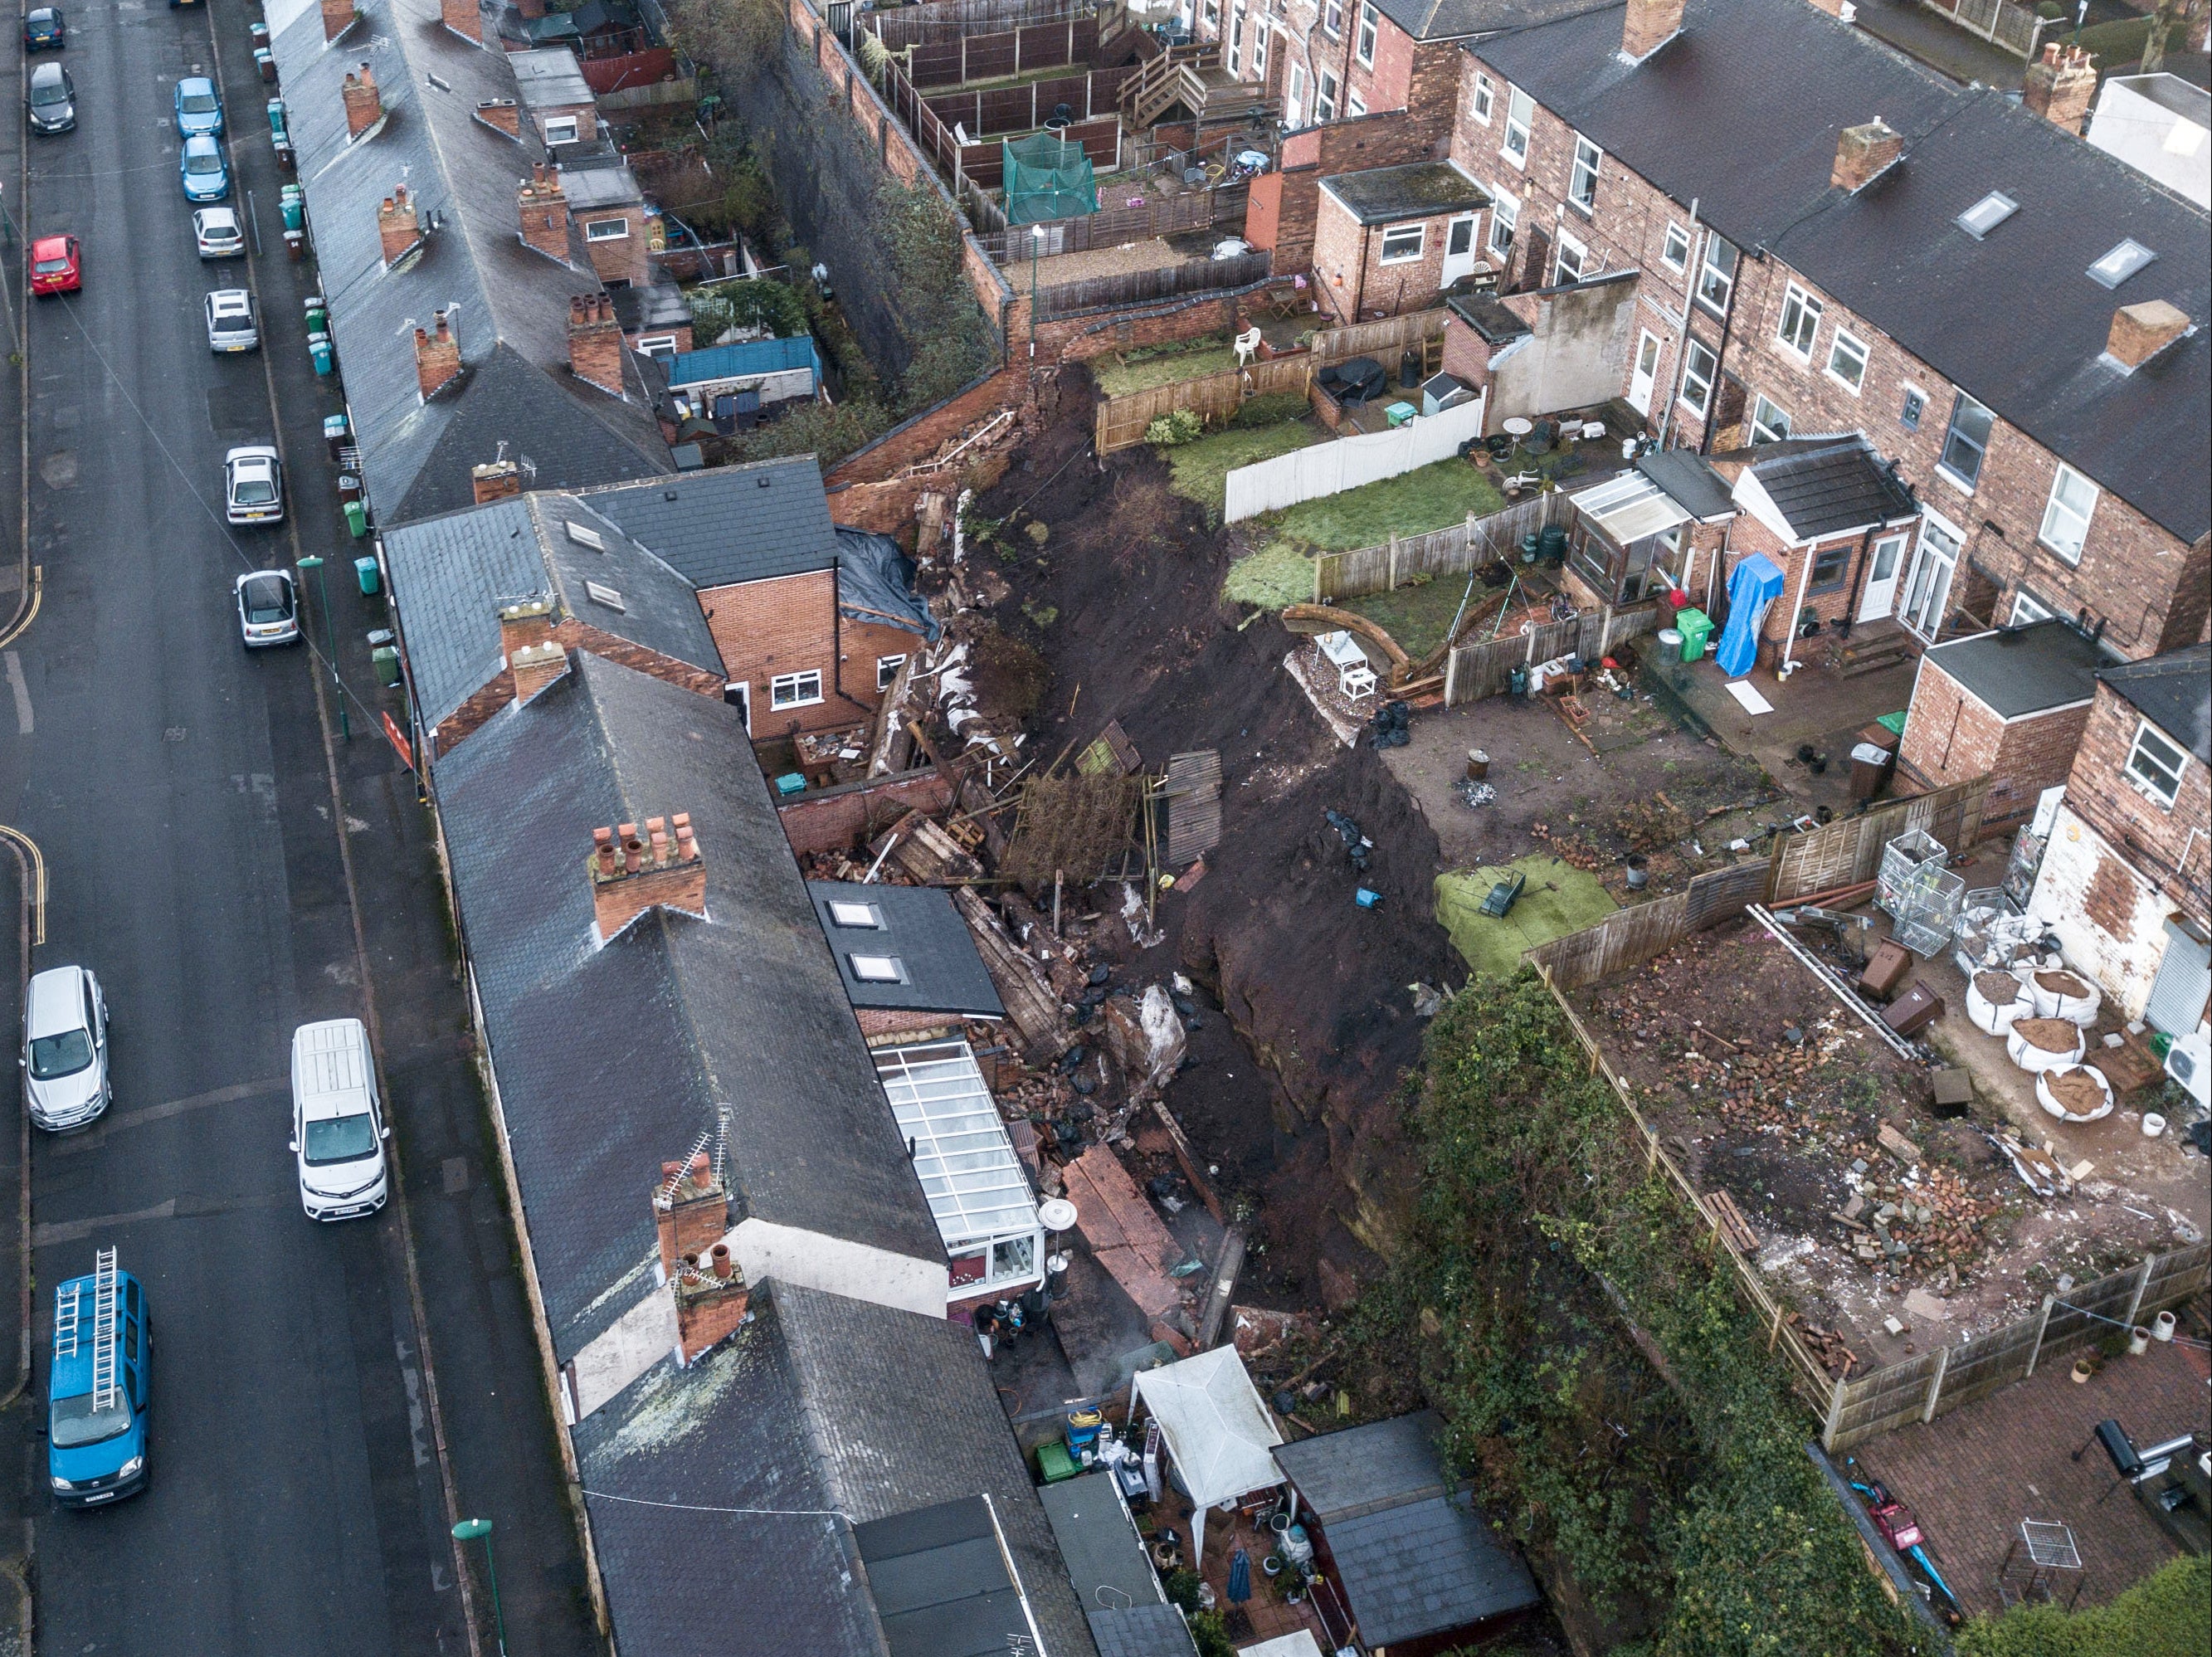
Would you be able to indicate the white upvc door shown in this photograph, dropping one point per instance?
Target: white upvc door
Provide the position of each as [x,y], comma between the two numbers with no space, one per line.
[1459,248]
[1879,595]
[1928,588]
[1646,374]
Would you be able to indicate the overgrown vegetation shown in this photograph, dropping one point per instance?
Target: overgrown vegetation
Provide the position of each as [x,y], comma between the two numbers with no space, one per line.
[1147,366]
[1175,426]
[2168,1614]
[1548,1278]
[756,302]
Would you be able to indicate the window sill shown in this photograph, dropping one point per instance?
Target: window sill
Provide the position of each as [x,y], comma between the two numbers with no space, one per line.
[1956,482]
[1787,355]
[1837,378]
[1518,163]
[1410,258]
[2151,794]
[786,707]
[2072,561]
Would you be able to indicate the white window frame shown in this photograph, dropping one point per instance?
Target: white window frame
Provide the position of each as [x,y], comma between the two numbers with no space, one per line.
[1354,108]
[1294,97]
[1485,100]
[1582,175]
[846,915]
[1944,468]
[1711,276]
[876,969]
[1763,429]
[1371,28]
[1419,230]
[1332,19]
[1692,375]
[661,345]
[1934,568]
[2028,609]
[573,123]
[1236,38]
[1505,219]
[1845,343]
[606,230]
[1675,249]
[1259,50]
[1559,276]
[887,669]
[1797,328]
[1520,127]
[790,690]
[1325,91]
[2174,773]
[2062,517]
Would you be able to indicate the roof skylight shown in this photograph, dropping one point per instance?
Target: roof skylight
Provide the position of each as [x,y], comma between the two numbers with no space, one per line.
[1987,214]
[607,596]
[2122,262]
[876,969]
[585,537]
[854,914]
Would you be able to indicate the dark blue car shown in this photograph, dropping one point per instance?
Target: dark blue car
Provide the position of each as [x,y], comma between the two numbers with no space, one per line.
[44,27]
[97,1393]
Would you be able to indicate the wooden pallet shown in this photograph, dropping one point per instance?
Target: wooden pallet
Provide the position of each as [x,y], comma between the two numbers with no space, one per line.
[1734,1227]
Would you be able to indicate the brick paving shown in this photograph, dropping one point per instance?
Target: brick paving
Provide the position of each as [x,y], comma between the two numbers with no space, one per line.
[1973,1475]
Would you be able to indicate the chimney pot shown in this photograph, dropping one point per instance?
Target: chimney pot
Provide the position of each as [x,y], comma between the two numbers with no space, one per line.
[1649,24]
[649,876]
[603,851]
[437,359]
[2141,331]
[2060,86]
[1863,152]
[703,1167]
[668,1170]
[721,1256]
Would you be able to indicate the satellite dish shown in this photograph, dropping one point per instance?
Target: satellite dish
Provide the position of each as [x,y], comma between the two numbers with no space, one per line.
[1056,1214]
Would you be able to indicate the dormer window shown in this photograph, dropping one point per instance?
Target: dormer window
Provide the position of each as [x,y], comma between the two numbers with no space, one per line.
[843,913]
[2122,262]
[1987,214]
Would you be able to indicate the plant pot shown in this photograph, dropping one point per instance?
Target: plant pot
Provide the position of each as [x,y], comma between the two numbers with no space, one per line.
[2152,1124]
[2083,1369]
[2162,1326]
[2138,1339]
[1639,871]
[1273,1564]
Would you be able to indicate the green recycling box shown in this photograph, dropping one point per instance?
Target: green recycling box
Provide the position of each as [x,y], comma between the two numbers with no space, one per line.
[1697,627]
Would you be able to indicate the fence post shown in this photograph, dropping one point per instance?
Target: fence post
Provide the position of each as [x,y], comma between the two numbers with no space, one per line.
[1393,586]
[2142,1282]
[2041,1323]
[1318,598]
[1451,675]
[1936,1382]
[1835,1415]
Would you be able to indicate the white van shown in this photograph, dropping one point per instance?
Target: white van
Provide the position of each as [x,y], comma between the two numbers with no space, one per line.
[338,1129]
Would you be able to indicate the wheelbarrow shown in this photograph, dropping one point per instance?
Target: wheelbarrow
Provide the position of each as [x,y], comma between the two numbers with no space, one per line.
[1502,895]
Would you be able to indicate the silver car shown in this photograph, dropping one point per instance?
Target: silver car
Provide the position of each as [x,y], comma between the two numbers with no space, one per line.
[268,607]
[253,485]
[230,322]
[215,230]
[66,1048]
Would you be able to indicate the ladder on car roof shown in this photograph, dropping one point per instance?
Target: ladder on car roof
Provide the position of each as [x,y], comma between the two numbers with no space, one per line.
[65,1317]
[103,1330]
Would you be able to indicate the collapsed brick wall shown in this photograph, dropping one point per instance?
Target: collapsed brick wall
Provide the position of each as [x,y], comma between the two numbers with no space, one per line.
[842,817]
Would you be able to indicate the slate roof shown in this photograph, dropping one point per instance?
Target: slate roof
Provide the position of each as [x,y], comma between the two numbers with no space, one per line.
[2013,318]
[2019,671]
[940,1584]
[1155,1631]
[1413,1558]
[611,1057]
[510,305]
[1452,20]
[729,524]
[825,1416]
[925,934]
[450,572]
[1383,195]
[1824,486]
[2175,692]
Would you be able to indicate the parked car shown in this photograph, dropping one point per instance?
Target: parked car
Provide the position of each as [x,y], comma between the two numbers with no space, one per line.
[253,485]
[268,607]
[216,229]
[65,1078]
[56,265]
[199,109]
[52,100]
[230,322]
[44,27]
[98,1386]
[338,1122]
[206,176]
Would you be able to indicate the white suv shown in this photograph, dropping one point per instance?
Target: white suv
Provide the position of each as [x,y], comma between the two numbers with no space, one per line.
[66,1048]
[338,1122]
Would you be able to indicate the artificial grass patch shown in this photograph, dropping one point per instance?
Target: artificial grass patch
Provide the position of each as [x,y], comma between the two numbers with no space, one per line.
[1416,616]
[1433,497]
[1275,576]
[1558,899]
[1199,468]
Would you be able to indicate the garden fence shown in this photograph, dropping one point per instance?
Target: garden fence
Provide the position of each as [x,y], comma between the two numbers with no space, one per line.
[2014,28]
[1162,282]
[1451,551]
[1122,421]
[1474,671]
[1111,227]
[1380,340]
[1348,463]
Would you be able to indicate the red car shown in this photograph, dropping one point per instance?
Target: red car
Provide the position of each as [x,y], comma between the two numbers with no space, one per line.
[54,266]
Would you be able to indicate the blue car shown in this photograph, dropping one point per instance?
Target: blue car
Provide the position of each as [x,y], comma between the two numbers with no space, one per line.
[206,177]
[198,110]
[97,1392]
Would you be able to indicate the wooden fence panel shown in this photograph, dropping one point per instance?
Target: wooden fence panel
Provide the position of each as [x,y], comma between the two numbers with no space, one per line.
[1165,282]
[1848,852]
[1453,551]
[1122,421]
[950,20]
[1378,339]
[1111,227]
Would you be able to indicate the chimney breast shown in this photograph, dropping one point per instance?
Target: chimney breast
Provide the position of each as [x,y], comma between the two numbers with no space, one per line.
[2140,332]
[1649,24]
[364,105]
[545,210]
[464,17]
[495,480]
[691,1214]
[397,225]
[655,870]
[1862,152]
[337,18]
[535,666]
[2060,85]
[437,357]
[595,341]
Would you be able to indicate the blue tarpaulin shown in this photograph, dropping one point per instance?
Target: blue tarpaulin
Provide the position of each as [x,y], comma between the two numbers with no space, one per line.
[1756,584]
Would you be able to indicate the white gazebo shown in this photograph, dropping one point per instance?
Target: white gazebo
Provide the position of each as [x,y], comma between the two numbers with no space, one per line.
[1218,1432]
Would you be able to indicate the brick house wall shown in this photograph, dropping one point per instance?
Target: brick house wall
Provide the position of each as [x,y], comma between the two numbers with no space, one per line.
[1951,736]
[1281,211]
[1829,600]
[834,819]
[1352,278]
[2168,843]
[585,116]
[617,261]
[789,624]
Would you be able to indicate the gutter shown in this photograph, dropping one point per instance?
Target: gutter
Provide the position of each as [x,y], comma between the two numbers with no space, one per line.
[1898,1583]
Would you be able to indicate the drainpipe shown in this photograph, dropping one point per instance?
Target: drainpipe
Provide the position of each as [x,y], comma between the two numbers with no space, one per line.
[1858,580]
[1359,287]
[1790,633]
[1682,345]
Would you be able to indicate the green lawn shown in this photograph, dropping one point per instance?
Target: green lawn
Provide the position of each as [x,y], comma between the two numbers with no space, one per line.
[1199,468]
[1117,377]
[1558,899]
[1433,497]
[1416,616]
[1272,578]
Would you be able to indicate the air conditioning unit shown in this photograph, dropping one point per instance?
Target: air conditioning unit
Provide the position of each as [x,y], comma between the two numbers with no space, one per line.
[2189,1061]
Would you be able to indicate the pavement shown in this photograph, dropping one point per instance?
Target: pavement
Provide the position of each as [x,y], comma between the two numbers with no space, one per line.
[1940,44]
[328,1400]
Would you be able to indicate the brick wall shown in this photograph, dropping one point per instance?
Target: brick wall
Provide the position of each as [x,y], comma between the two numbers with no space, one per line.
[616,259]
[1388,82]
[585,116]
[498,691]
[842,817]
[786,625]
[1294,201]
[1352,280]
[2109,919]
[1829,603]
[1952,736]
[921,438]
[2167,843]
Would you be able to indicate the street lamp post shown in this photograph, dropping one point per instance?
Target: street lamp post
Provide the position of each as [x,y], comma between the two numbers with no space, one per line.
[314,562]
[474,1529]
[1036,246]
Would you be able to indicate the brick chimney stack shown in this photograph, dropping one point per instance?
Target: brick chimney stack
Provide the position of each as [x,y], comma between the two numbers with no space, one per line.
[501,115]
[545,210]
[1651,24]
[691,1212]
[437,357]
[337,18]
[631,873]
[396,227]
[2141,331]
[464,17]
[595,341]
[364,105]
[495,480]
[535,666]
[524,622]
[1862,152]
[2060,86]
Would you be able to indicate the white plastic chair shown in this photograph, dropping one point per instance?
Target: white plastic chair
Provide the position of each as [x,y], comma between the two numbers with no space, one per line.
[1247,343]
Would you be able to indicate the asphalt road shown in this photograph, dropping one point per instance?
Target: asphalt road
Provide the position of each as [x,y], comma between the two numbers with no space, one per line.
[230,870]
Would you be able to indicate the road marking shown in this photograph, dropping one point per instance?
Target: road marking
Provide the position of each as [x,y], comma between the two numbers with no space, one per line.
[22,691]
[177,1208]
[161,1113]
[29,611]
[32,864]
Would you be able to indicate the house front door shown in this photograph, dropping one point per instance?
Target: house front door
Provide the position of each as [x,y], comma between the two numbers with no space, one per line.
[1459,248]
[1880,597]
[1646,374]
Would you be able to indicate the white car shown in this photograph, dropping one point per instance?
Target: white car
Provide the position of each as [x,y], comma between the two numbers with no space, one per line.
[338,1123]
[253,485]
[230,322]
[216,232]
[66,1048]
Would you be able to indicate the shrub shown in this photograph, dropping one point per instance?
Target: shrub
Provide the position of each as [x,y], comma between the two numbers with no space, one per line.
[1180,426]
[2165,1615]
